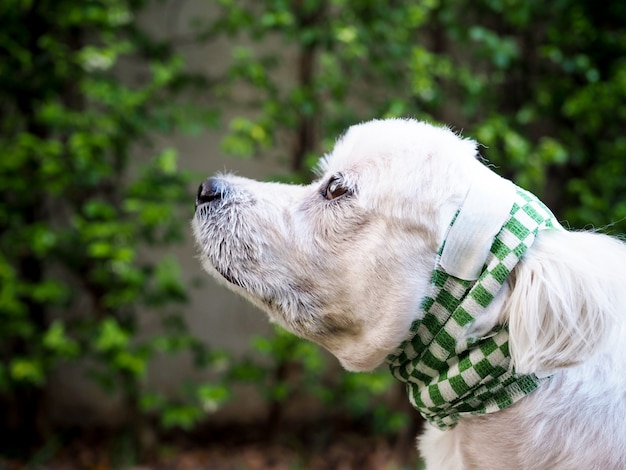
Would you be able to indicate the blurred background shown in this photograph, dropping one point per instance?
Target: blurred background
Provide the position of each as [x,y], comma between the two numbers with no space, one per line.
[116,351]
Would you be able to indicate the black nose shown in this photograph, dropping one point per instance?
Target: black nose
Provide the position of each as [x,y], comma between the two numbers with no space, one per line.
[211,189]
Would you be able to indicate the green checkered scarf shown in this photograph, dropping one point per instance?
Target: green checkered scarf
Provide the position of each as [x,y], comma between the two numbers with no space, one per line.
[447,375]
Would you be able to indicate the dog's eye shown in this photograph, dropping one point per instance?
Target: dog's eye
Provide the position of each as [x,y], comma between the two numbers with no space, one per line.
[334,189]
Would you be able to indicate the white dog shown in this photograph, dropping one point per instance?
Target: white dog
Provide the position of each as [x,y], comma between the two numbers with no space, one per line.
[507,329]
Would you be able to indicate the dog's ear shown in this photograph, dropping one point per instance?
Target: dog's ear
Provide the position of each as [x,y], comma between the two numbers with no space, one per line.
[566,295]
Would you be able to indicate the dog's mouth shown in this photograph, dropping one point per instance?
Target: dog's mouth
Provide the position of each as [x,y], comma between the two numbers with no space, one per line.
[218,254]
[226,275]
[229,258]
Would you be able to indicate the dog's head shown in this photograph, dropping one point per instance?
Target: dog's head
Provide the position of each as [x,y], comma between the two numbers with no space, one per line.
[346,260]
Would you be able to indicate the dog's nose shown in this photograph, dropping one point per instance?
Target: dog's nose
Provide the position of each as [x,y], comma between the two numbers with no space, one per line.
[210,189]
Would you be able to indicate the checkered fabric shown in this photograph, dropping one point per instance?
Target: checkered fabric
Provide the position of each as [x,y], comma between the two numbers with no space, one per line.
[447,375]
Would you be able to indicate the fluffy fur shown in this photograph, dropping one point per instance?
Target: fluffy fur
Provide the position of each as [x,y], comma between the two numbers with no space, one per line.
[349,273]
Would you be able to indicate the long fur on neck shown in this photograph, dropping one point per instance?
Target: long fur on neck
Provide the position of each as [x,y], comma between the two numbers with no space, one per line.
[566,300]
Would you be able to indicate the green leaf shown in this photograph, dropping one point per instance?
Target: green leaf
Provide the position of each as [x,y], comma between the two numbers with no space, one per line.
[180,416]
[50,292]
[167,161]
[134,363]
[212,396]
[27,370]
[56,340]
[151,401]
[111,336]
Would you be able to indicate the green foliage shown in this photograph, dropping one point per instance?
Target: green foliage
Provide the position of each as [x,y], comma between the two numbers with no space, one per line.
[541,86]
[340,49]
[192,408]
[551,114]
[286,368]
[73,216]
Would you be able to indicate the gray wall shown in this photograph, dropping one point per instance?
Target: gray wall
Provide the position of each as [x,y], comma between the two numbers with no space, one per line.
[215,315]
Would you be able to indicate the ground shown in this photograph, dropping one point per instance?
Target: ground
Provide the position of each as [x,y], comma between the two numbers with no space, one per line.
[314,446]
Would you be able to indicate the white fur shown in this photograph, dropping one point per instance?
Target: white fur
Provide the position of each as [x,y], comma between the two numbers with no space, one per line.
[350,274]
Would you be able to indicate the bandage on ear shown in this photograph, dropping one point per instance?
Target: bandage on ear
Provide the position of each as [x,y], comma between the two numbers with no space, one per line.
[483,213]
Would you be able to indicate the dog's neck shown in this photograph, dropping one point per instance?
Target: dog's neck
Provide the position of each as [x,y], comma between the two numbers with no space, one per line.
[448,374]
